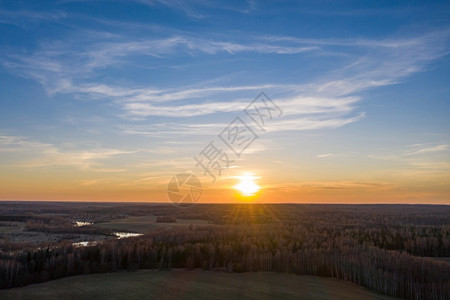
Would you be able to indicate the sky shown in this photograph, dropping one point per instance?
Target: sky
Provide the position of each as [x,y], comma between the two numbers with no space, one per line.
[108,100]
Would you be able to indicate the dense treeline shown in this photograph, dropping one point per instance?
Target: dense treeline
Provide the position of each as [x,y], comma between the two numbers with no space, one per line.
[399,215]
[260,248]
[367,245]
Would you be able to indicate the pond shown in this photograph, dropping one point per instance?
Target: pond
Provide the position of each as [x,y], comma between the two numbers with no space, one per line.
[81,223]
[119,235]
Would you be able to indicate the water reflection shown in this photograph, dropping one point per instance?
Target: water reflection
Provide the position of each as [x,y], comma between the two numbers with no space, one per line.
[85,243]
[121,235]
[81,223]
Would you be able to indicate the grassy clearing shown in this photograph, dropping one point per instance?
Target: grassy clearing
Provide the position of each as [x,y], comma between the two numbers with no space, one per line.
[11,227]
[444,259]
[146,224]
[195,284]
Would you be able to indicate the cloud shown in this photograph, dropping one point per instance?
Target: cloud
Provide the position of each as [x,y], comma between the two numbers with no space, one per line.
[437,148]
[72,66]
[291,106]
[13,144]
[325,155]
[188,8]
[309,186]
[168,129]
[195,9]
[20,18]
[412,163]
[312,123]
[407,155]
[73,59]
[34,154]
[432,165]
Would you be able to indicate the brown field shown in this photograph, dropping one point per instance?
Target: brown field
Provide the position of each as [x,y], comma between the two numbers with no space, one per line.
[11,227]
[146,224]
[194,284]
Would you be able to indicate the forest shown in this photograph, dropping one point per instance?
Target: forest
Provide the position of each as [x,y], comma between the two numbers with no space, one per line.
[397,250]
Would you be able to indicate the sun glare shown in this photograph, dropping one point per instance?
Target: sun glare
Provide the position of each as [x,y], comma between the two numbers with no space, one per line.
[247,186]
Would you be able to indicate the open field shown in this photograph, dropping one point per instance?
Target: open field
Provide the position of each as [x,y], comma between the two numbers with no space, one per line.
[444,259]
[11,227]
[143,224]
[194,284]
[146,224]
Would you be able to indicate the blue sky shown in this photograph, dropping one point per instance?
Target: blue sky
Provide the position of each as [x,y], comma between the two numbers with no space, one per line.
[106,100]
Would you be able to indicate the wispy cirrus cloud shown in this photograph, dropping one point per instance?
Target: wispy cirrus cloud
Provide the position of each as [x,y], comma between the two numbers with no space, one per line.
[359,185]
[71,67]
[437,148]
[17,17]
[196,9]
[164,130]
[423,159]
[325,155]
[34,154]
[314,186]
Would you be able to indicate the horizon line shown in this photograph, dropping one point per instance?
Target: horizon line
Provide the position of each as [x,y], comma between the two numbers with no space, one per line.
[222,203]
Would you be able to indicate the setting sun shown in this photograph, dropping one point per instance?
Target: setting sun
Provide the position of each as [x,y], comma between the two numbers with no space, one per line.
[247,186]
